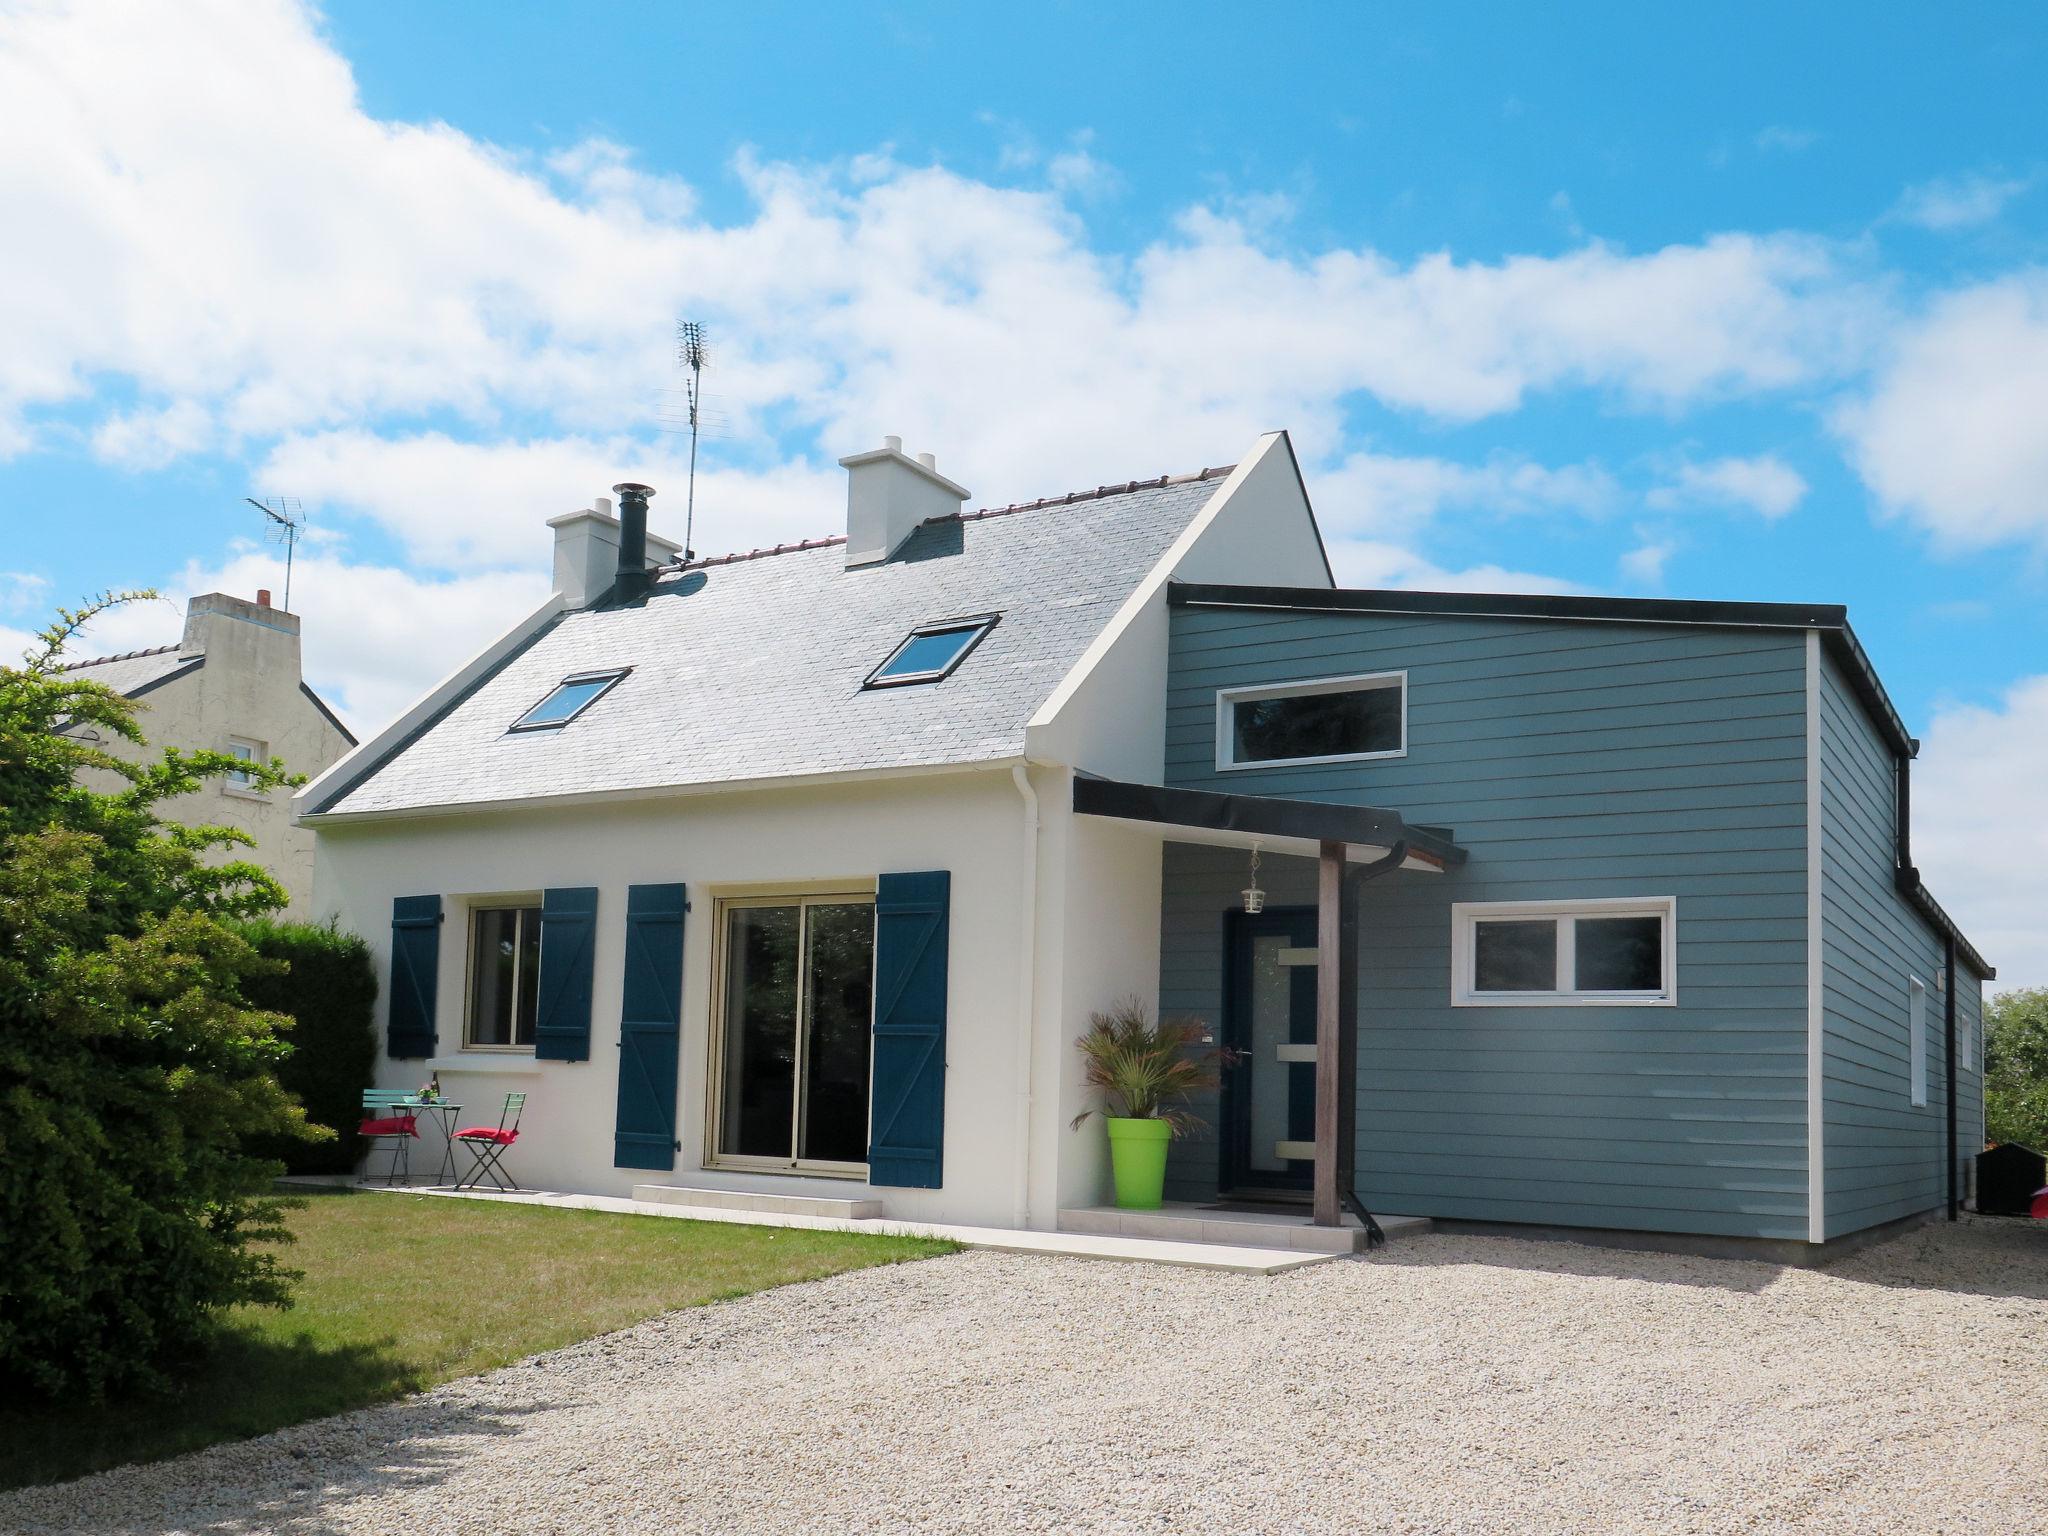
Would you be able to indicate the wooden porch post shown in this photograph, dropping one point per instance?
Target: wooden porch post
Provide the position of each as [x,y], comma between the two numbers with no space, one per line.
[1329,1210]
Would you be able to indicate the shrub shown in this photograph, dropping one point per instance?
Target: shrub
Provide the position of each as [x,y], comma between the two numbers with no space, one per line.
[132,1071]
[1145,1070]
[329,991]
[2016,1067]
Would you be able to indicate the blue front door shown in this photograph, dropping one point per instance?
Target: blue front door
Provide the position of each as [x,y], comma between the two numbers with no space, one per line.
[1269,1095]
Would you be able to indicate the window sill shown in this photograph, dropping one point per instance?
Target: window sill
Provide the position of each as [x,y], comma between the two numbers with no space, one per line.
[500,1063]
[1223,766]
[244,794]
[1563,1000]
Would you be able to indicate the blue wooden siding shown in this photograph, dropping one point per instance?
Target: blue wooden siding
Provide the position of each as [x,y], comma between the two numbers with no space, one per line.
[1883,1157]
[1573,760]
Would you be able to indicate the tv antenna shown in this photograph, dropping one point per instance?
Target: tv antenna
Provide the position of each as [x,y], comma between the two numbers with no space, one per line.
[690,355]
[287,516]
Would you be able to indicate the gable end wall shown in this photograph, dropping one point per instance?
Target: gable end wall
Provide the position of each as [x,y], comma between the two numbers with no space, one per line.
[1882,1153]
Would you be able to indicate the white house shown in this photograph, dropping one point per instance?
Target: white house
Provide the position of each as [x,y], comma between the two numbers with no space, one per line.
[792,877]
[231,684]
[738,866]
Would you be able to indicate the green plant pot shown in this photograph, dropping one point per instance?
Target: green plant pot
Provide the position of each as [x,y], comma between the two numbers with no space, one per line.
[1137,1159]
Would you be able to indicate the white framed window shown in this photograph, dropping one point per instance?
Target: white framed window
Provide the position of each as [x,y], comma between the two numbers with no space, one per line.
[792,1036]
[1352,719]
[1916,1039]
[504,975]
[237,781]
[1513,954]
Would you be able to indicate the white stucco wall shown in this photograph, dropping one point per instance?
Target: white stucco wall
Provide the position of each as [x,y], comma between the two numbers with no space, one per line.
[1109,715]
[823,836]
[1096,925]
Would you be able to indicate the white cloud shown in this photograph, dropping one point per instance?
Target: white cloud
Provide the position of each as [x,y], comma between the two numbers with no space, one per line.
[1764,484]
[151,438]
[1951,203]
[1372,563]
[327,271]
[1387,495]
[1644,565]
[375,637]
[1782,140]
[462,504]
[1980,807]
[23,591]
[1951,435]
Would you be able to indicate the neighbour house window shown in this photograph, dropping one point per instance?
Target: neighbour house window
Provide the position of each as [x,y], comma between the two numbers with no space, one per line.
[1326,720]
[504,977]
[249,752]
[795,1032]
[1548,952]
[568,699]
[931,651]
[1916,1038]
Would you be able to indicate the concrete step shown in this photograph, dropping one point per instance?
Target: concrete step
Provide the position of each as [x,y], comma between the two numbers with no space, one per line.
[745,1200]
[1262,1229]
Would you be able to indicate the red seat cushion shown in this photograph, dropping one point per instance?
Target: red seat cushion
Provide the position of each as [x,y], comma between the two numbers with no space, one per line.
[396,1125]
[487,1133]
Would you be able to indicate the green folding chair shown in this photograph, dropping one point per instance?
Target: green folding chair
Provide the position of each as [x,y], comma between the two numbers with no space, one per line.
[385,1120]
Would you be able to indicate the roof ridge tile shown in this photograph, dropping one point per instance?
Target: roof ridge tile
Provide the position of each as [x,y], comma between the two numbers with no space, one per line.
[101,661]
[1214,472]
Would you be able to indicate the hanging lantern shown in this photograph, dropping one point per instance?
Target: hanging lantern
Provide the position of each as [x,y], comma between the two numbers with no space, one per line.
[1254,898]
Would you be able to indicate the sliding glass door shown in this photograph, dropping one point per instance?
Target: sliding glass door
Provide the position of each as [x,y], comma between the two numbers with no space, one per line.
[796,1007]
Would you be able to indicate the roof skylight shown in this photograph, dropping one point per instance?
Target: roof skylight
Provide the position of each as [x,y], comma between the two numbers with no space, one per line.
[568,699]
[931,651]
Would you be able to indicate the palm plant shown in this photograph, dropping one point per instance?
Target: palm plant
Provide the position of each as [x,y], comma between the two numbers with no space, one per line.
[1147,1070]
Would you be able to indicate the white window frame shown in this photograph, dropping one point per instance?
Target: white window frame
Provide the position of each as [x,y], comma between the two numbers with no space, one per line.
[843,894]
[472,910]
[1916,1041]
[1227,700]
[1465,915]
[235,782]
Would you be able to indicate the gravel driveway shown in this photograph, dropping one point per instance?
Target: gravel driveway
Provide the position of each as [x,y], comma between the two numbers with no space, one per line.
[1454,1384]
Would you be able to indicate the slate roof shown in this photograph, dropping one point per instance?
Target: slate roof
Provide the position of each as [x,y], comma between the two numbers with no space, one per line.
[750,667]
[134,672]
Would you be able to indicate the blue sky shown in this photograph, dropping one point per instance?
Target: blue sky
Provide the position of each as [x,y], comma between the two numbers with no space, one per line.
[1733,302]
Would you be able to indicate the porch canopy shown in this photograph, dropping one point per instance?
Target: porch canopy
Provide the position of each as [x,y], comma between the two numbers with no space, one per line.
[1303,827]
[1351,845]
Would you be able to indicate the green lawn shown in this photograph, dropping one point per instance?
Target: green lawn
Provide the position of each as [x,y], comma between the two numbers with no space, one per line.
[403,1291]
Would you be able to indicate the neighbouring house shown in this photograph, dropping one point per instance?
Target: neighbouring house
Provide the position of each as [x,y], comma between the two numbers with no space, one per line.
[231,684]
[790,877]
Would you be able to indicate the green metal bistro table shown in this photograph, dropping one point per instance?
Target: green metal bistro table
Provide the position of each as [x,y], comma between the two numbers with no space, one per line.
[444,1113]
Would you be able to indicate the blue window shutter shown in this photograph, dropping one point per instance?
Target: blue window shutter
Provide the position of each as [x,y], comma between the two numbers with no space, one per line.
[568,927]
[415,976]
[907,1113]
[649,1027]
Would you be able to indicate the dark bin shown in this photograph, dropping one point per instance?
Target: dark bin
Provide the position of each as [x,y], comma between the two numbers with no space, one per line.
[2007,1176]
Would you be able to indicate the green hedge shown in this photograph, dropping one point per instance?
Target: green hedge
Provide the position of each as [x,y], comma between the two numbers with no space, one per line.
[330,991]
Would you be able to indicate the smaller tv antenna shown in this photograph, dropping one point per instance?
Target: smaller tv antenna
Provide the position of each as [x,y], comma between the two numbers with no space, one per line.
[690,355]
[287,516]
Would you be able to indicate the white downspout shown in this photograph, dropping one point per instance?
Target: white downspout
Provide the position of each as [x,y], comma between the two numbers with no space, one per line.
[1027,966]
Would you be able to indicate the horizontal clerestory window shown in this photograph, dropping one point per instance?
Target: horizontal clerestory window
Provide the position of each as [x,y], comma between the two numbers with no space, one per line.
[1322,720]
[1506,954]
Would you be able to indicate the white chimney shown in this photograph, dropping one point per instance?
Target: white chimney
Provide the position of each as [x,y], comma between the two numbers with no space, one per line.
[587,552]
[888,494]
